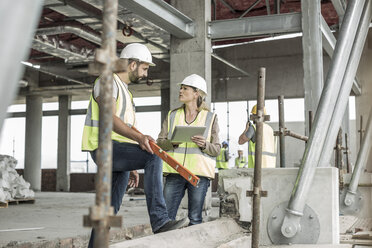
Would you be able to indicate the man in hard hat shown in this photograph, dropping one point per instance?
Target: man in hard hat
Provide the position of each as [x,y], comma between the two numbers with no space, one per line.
[130,150]
[240,160]
[268,143]
[222,160]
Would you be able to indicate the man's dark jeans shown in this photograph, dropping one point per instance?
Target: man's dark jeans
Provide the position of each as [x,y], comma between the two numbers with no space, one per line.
[127,157]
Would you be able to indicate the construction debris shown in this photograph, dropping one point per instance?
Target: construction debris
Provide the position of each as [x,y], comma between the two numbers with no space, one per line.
[12,185]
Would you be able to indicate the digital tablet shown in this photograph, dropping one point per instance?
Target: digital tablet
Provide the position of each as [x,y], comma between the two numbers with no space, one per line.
[184,133]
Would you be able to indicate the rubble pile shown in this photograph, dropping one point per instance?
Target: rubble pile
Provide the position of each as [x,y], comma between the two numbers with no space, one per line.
[12,185]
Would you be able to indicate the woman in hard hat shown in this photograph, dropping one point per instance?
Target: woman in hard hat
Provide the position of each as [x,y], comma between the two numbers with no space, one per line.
[199,156]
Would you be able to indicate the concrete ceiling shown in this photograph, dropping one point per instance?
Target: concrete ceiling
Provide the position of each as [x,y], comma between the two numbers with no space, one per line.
[69,32]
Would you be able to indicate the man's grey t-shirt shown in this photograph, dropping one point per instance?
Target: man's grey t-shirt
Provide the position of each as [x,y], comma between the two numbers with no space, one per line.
[114,88]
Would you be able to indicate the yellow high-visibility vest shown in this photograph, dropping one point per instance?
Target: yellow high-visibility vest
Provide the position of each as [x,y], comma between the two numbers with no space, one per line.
[240,162]
[188,153]
[268,149]
[124,110]
[221,160]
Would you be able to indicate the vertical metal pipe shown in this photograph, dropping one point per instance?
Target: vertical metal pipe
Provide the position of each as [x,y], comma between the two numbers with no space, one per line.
[361,131]
[291,222]
[311,119]
[258,158]
[104,153]
[228,121]
[277,6]
[362,157]
[281,131]
[343,96]
[338,155]
[348,165]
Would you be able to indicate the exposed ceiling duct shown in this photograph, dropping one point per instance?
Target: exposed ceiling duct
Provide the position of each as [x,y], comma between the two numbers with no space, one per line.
[70,29]
[63,50]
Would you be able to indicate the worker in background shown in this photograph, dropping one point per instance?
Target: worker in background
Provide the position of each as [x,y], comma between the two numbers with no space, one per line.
[222,161]
[268,144]
[240,160]
[198,156]
[130,150]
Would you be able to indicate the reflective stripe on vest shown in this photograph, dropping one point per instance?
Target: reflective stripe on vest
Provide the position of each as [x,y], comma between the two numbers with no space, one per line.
[188,153]
[124,110]
[221,160]
[268,149]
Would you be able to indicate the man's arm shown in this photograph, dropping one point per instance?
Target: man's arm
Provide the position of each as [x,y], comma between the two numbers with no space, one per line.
[123,129]
[227,156]
[247,135]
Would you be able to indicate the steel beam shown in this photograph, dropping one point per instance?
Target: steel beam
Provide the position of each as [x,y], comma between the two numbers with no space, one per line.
[255,26]
[339,6]
[228,6]
[163,15]
[329,43]
[15,45]
[230,64]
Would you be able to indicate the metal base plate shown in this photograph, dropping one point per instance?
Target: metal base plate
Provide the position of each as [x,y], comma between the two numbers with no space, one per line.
[355,207]
[308,234]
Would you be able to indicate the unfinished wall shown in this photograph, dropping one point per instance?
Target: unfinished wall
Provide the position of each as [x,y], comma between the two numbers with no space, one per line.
[284,73]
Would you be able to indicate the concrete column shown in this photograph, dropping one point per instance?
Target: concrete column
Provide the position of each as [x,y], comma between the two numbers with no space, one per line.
[63,153]
[165,97]
[312,56]
[188,56]
[34,113]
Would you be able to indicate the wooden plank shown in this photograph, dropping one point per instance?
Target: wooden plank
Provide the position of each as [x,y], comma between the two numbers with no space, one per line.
[17,202]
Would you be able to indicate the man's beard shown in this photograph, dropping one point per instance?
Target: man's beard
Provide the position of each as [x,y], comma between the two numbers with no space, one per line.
[133,77]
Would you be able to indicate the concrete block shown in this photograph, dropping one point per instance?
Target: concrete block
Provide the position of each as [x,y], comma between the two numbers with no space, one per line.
[322,199]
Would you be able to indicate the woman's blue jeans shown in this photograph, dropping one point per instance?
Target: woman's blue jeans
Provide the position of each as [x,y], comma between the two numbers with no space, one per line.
[174,190]
[125,158]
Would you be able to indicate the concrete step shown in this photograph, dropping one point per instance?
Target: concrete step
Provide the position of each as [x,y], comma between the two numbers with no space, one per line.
[206,235]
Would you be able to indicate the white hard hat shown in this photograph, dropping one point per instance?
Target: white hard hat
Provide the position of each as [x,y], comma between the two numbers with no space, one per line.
[137,51]
[196,81]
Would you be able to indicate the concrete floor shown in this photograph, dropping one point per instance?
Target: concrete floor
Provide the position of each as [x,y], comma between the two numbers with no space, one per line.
[58,220]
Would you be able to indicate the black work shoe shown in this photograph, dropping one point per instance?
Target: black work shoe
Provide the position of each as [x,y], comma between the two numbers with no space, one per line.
[172,225]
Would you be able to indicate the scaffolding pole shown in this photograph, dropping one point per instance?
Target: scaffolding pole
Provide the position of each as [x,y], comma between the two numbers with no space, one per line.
[281,131]
[294,212]
[346,86]
[360,164]
[101,215]
[259,118]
